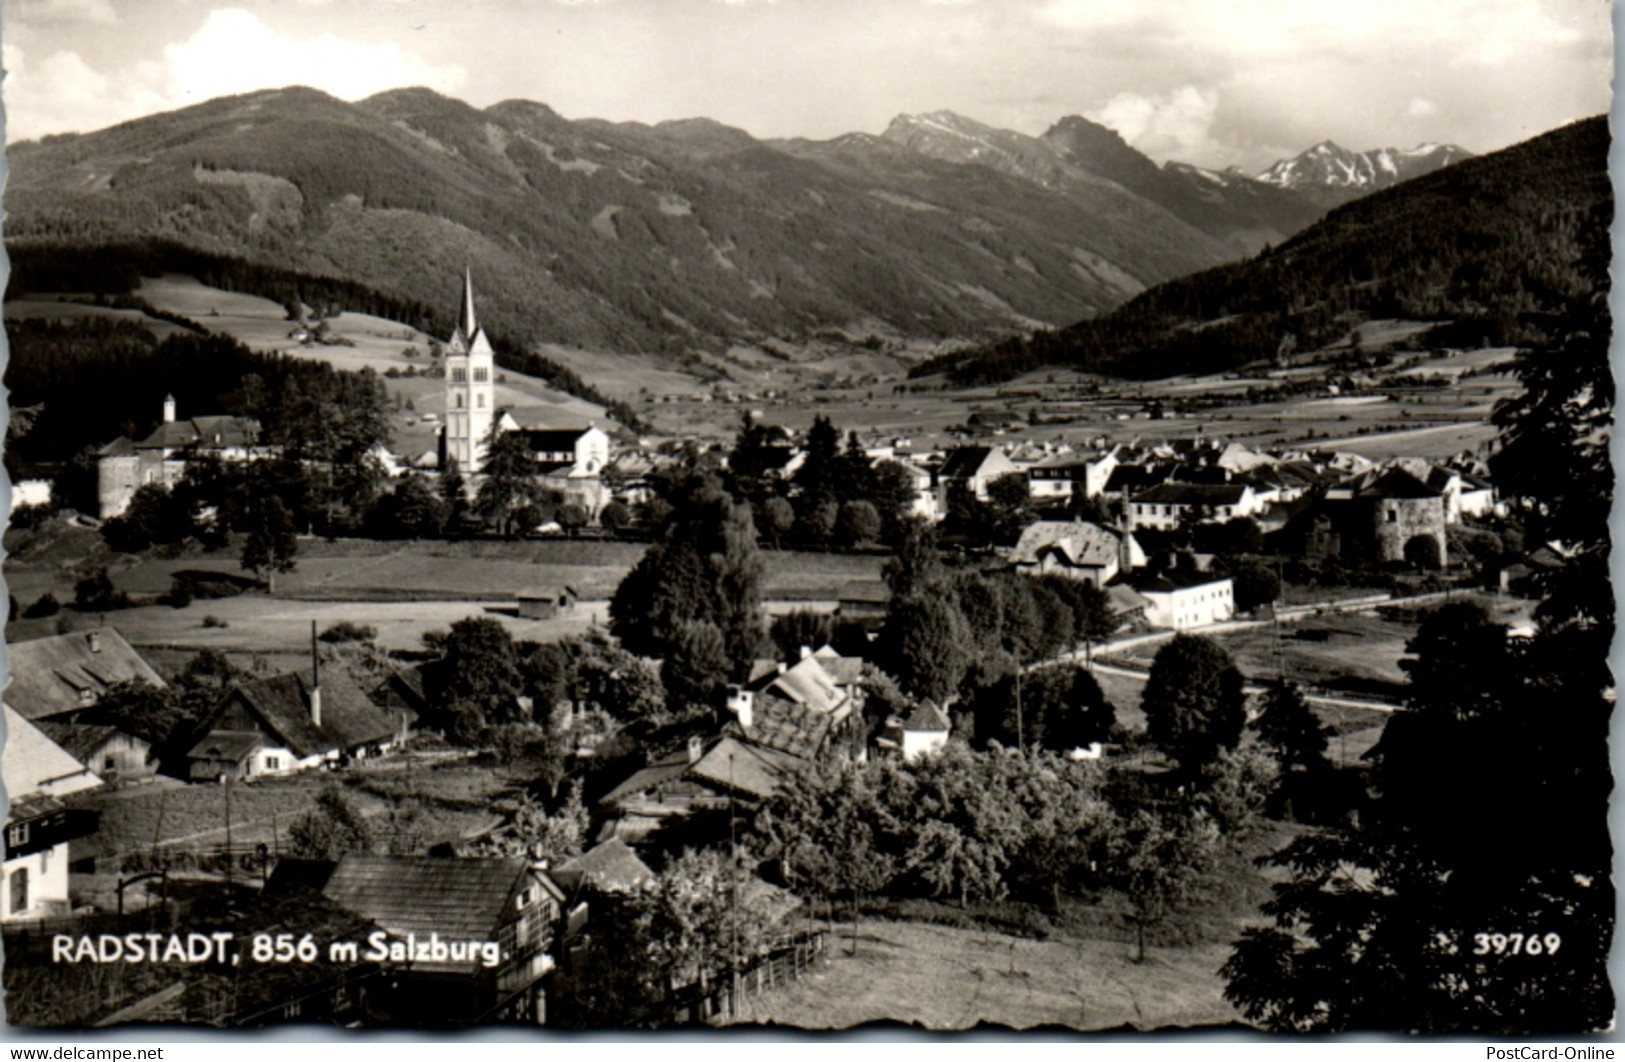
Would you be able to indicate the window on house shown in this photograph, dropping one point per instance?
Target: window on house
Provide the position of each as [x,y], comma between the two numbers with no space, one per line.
[45,862]
[1393,517]
[17,836]
[108,763]
[481,375]
[273,763]
[19,890]
[459,401]
[459,376]
[479,401]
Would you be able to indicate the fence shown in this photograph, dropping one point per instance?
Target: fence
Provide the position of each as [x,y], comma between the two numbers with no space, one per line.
[779,967]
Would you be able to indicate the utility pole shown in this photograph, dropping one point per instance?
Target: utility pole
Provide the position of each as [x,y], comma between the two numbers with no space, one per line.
[733,890]
[1021,733]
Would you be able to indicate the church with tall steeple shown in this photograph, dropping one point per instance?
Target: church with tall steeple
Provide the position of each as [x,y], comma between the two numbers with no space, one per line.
[470,387]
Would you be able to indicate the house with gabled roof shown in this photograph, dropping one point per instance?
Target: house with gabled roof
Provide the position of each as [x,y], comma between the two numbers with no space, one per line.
[699,777]
[288,723]
[1165,506]
[973,467]
[1057,480]
[1076,549]
[923,731]
[65,675]
[478,934]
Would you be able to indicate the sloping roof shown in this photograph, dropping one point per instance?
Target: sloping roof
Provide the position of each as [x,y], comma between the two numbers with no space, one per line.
[460,899]
[282,702]
[32,763]
[610,867]
[208,432]
[227,746]
[868,591]
[1398,483]
[119,447]
[807,684]
[663,770]
[79,740]
[47,674]
[543,593]
[552,440]
[1193,494]
[1124,598]
[1082,544]
[927,717]
[745,767]
[966,461]
[845,670]
[1134,477]
[788,727]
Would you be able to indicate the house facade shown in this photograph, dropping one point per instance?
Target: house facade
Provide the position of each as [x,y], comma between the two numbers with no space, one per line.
[1179,608]
[38,773]
[1076,549]
[1166,506]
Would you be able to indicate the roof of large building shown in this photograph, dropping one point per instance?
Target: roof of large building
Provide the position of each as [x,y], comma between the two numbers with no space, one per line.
[68,672]
[32,763]
[1079,542]
[927,717]
[282,703]
[210,433]
[1398,483]
[745,767]
[459,899]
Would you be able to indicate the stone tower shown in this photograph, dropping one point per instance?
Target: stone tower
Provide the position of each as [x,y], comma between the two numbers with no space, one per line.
[470,389]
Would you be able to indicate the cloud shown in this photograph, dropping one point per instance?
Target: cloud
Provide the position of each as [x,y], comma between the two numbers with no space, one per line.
[232,52]
[1177,124]
[51,12]
[1421,108]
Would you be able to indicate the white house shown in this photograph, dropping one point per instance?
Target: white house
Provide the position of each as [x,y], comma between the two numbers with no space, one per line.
[1166,505]
[1060,478]
[1179,608]
[37,773]
[1076,549]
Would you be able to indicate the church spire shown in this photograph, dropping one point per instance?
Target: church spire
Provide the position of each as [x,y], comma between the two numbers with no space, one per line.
[467,325]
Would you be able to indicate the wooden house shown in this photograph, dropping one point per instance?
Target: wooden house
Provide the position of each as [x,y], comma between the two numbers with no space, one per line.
[478,934]
[288,723]
[545,602]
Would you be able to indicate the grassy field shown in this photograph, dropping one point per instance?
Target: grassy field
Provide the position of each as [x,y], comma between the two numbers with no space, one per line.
[946,978]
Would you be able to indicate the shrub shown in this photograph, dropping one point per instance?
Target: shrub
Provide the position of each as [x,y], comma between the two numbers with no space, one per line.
[45,605]
[345,631]
[214,621]
[180,593]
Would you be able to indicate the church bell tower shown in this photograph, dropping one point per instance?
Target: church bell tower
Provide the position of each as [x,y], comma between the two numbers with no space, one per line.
[470,389]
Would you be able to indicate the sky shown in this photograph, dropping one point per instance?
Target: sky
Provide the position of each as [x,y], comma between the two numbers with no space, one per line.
[1211,82]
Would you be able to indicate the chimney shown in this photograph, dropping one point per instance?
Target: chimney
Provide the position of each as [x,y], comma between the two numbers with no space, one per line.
[740,703]
[806,651]
[169,409]
[315,679]
[696,749]
[94,640]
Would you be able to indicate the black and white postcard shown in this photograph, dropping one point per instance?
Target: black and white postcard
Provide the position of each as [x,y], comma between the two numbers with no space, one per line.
[1073,515]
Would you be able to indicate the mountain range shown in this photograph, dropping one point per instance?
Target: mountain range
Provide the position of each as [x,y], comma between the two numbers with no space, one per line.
[1492,249]
[662,238]
[1330,174]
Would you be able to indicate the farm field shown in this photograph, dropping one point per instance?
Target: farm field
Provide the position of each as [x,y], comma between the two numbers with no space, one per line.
[942,977]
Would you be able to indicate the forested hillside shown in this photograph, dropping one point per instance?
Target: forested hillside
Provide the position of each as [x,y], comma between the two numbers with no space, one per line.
[1487,246]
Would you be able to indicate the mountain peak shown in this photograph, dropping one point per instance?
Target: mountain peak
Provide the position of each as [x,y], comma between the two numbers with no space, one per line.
[1333,173]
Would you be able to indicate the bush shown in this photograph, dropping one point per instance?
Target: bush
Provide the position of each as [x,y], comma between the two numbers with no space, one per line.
[28,517]
[96,593]
[45,605]
[214,621]
[345,631]
[180,593]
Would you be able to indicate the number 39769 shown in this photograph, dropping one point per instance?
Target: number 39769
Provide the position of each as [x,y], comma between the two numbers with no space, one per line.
[1516,943]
